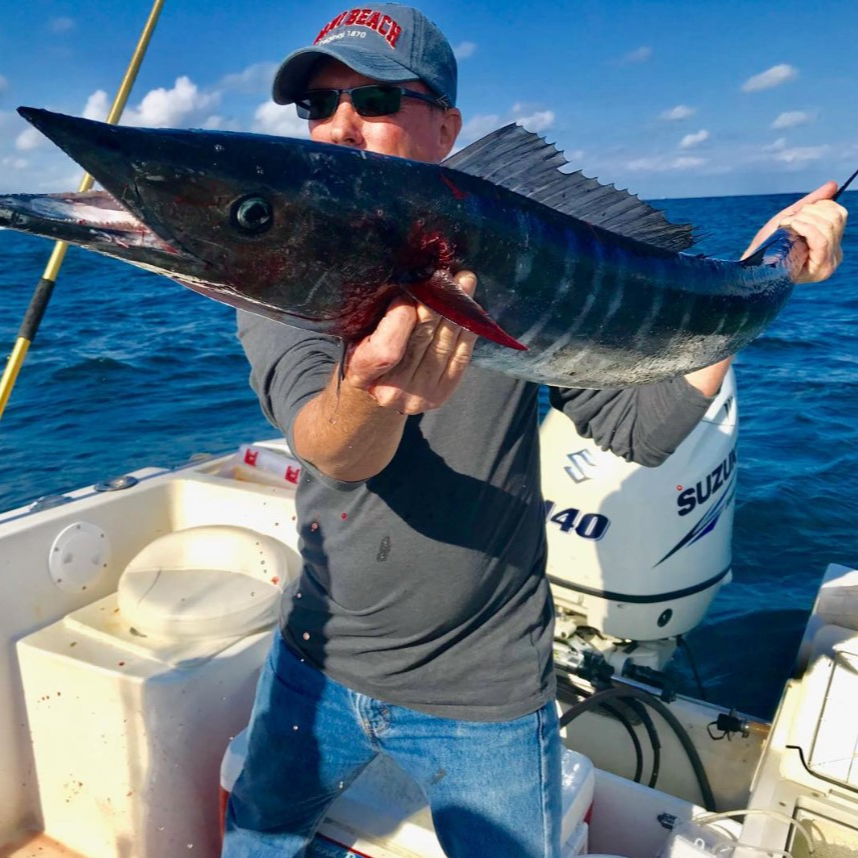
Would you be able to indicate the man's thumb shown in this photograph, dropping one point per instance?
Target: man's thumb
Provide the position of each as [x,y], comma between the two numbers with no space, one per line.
[823,192]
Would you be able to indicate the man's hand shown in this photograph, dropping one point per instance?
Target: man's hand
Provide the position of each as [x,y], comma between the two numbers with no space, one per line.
[820,222]
[411,362]
[415,359]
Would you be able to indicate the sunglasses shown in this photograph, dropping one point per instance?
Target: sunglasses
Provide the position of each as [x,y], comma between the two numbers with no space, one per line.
[370,100]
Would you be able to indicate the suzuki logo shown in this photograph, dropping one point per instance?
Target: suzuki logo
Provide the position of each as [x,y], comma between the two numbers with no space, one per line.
[581,463]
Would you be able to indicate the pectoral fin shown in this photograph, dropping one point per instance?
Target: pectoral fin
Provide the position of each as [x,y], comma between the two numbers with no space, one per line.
[443,294]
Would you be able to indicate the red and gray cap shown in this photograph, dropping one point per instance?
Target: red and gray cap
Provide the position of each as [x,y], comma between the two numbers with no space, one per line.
[388,42]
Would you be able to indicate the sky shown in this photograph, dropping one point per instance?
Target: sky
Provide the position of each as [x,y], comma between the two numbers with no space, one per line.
[664,98]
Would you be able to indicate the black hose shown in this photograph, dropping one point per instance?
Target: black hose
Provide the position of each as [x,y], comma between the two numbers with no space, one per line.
[638,708]
[576,696]
[615,713]
[618,693]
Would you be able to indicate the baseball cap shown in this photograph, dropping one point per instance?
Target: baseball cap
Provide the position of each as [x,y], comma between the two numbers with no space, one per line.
[388,42]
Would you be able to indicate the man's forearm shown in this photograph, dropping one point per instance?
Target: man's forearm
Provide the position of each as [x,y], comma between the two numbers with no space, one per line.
[820,222]
[709,379]
[346,434]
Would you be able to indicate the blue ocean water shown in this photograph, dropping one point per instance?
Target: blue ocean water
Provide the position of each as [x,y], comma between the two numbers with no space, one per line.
[131,370]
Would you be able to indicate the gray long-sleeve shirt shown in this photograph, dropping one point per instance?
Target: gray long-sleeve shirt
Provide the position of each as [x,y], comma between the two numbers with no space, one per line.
[425,585]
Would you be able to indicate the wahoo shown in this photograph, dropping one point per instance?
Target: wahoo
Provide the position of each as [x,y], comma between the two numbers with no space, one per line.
[579,284]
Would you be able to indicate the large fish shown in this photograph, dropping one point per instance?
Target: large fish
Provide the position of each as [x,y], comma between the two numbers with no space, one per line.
[582,285]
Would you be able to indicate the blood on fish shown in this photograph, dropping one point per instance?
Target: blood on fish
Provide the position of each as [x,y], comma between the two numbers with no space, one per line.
[434,245]
[548,246]
[458,193]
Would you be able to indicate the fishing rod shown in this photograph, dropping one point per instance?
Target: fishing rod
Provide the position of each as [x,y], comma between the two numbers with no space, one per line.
[45,287]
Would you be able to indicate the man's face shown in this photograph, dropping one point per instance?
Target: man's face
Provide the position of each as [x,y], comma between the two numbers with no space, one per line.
[418,131]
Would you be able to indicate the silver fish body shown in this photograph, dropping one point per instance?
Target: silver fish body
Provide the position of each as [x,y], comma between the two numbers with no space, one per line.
[324,237]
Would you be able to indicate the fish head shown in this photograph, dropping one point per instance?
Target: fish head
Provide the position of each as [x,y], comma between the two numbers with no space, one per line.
[245,219]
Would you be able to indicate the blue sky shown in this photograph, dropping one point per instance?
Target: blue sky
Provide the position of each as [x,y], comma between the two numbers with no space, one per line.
[668,99]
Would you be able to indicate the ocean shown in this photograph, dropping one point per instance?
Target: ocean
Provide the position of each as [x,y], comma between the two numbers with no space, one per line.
[130,370]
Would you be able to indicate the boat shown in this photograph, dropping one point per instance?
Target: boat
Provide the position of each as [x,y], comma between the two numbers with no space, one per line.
[137,613]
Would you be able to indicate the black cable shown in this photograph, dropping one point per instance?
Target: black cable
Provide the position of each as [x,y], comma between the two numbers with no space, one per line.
[684,645]
[618,693]
[638,708]
[614,712]
[578,697]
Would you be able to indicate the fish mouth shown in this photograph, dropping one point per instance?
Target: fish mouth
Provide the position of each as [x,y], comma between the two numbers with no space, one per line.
[103,151]
[96,221]
[90,216]
[113,221]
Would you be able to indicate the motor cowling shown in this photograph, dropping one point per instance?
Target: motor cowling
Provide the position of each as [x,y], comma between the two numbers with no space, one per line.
[641,552]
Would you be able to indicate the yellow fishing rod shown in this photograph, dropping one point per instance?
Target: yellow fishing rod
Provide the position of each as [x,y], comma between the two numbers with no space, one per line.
[45,287]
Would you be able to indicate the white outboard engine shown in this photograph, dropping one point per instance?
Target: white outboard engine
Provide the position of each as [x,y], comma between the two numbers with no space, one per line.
[634,553]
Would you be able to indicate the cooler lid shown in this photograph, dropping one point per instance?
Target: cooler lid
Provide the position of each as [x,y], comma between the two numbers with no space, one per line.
[215,581]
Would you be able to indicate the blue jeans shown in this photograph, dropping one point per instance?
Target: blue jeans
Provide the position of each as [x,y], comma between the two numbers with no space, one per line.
[494,788]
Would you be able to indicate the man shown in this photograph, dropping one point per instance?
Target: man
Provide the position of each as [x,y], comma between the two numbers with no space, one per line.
[421,626]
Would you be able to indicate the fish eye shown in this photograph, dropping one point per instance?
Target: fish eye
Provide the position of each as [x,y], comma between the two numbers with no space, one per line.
[252,215]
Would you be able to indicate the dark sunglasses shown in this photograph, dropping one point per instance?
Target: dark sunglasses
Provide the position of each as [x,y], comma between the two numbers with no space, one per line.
[370,100]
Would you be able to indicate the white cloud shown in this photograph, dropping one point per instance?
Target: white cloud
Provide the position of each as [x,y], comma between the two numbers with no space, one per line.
[29,139]
[480,125]
[661,164]
[801,155]
[464,50]
[221,123]
[97,106]
[254,79]
[686,162]
[678,112]
[181,106]
[775,76]
[777,146]
[537,121]
[527,115]
[637,56]
[61,25]
[214,122]
[271,118]
[694,139]
[793,118]
[15,163]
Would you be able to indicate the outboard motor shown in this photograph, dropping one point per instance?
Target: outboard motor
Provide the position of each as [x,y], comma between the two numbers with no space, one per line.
[637,554]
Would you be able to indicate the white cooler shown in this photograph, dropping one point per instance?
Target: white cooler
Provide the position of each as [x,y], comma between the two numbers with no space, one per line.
[131,699]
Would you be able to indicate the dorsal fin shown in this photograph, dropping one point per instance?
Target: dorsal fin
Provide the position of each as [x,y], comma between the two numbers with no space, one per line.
[523,162]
